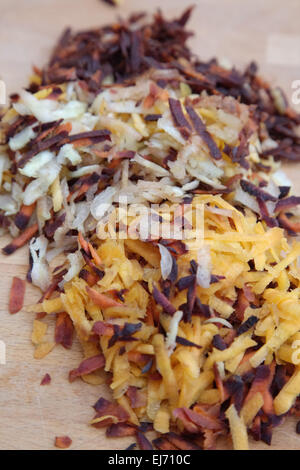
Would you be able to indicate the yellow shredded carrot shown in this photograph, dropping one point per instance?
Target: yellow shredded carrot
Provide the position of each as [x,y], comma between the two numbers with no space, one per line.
[238,429]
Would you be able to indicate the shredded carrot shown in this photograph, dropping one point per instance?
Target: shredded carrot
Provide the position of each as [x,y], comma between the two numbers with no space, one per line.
[103,301]
[23,216]
[95,255]
[21,240]
[17,292]
[83,243]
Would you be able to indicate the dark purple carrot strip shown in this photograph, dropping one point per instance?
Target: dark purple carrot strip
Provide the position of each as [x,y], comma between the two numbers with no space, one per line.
[270,221]
[201,309]
[143,442]
[287,203]
[266,433]
[238,154]
[20,123]
[177,114]
[200,128]
[179,118]
[235,388]
[125,333]
[257,192]
[186,342]
[45,127]
[152,117]
[185,282]
[136,51]
[219,343]
[174,271]
[147,367]
[249,323]
[40,146]
[95,136]
[215,278]
[162,300]
[284,191]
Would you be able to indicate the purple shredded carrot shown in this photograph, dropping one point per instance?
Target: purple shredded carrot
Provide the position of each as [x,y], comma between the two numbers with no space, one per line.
[200,128]
[162,300]
[255,191]
[186,342]
[249,323]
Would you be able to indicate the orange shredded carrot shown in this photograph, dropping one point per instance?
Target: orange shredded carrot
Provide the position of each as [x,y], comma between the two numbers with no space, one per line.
[21,240]
[82,143]
[65,127]
[89,277]
[83,243]
[102,300]
[95,255]
[63,442]
[262,385]
[17,292]
[23,216]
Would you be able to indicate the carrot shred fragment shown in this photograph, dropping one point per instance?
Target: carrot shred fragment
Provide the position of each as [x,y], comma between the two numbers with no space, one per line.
[17,293]
[21,240]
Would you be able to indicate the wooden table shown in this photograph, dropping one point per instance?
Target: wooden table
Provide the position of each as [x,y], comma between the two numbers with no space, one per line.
[31,415]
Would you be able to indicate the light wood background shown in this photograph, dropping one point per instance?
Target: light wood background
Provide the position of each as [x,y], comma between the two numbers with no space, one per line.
[31,415]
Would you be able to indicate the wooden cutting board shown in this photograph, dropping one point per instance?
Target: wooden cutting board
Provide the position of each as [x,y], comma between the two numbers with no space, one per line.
[31,415]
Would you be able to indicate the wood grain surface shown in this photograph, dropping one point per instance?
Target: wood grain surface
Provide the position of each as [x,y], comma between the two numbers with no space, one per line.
[31,415]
